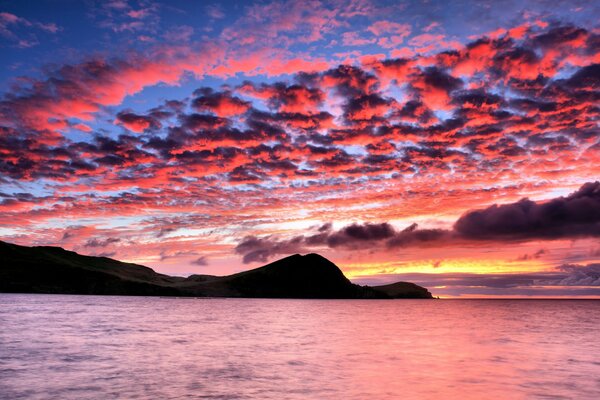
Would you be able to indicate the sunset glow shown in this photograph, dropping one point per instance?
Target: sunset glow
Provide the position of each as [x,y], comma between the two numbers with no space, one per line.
[454,146]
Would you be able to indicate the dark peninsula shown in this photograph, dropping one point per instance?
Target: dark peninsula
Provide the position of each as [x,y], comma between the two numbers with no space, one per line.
[45,269]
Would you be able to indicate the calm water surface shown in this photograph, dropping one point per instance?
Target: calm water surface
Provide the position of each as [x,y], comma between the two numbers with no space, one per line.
[89,347]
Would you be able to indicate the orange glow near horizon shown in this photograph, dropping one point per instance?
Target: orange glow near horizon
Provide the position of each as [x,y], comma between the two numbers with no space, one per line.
[474,266]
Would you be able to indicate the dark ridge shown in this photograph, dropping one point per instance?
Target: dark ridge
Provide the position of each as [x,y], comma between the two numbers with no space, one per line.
[404,290]
[46,269]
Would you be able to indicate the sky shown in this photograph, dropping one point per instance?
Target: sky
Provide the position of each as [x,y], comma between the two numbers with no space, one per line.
[455,145]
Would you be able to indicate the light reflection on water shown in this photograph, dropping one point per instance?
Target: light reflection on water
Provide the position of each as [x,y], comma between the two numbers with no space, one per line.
[90,347]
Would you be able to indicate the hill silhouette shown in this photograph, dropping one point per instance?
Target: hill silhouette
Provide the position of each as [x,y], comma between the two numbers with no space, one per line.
[46,269]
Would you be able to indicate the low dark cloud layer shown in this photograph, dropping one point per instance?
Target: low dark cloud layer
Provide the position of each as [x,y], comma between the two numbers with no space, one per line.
[354,236]
[254,249]
[577,215]
[574,216]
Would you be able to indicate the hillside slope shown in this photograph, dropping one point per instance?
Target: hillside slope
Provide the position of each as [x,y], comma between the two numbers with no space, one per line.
[45,269]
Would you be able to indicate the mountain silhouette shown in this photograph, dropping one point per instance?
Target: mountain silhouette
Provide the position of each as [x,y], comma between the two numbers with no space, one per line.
[46,269]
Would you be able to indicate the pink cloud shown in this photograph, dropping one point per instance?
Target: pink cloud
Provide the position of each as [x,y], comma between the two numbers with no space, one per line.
[381,28]
[10,21]
[389,34]
[353,39]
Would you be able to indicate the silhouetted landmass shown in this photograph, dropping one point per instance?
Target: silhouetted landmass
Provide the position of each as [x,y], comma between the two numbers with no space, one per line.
[404,290]
[47,269]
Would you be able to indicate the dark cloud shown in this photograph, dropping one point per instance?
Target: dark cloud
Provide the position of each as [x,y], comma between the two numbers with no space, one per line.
[351,81]
[529,105]
[413,236]
[98,242]
[217,157]
[254,249]
[558,35]
[506,60]
[200,261]
[574,275]
[415,110]
[67,234]
[354,236]
[197,122]
[477,98]
[109,254]
[533,256]
[138,123]
[370,107]
[438,78]
[354,233]
[20,197]
[165,231]
[359,235]
[577,215]
[286,98]
[297,120]
[585,78]
[166,254]
[223,104]
[246,174]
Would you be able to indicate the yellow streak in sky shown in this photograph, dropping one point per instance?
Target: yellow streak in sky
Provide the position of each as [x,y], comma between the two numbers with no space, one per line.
[473,266]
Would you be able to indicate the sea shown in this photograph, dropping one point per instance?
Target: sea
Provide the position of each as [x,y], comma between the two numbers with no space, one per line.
[112,347]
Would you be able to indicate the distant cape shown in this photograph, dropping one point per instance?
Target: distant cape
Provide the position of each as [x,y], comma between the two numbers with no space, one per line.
[45,269]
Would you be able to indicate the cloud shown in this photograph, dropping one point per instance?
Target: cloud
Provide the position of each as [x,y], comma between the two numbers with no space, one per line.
[533,256]
[169,253]
[576,215]
[389,34]
[574,275]
[254,249]
[79,91]
[413,236]
[354,39]
[99,242]
[119,16]
[215,11]
[353,236]
[201,261]
[137,123]
[179,34]
[286,98]
[370,108]
[382,27]
[434,86]
[23,32]
[586,78]
[349,81]
[280,22]
[360,233]
[223,104]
